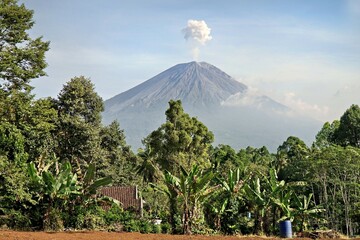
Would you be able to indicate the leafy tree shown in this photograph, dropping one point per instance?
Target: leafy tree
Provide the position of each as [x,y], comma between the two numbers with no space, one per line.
[80,110]
[348,132]
[170,189]
[304,210]
[41,134]
[78,99]
[21,58]
[148,169]
[14,191]
[335,175]
[258,202]
[223,158]
[292,159]
[180,141]
[118,160]
[53,192]
[326,135]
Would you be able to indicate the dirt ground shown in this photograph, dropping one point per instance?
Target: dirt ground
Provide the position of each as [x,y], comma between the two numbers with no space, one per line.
[12,235]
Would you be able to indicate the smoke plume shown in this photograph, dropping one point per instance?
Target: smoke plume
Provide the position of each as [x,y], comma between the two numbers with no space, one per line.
[197,33]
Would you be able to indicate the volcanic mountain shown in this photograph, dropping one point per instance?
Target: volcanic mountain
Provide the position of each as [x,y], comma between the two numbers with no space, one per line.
[227,107]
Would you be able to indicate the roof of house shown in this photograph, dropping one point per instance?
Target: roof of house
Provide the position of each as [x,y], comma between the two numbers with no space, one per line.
[127,195]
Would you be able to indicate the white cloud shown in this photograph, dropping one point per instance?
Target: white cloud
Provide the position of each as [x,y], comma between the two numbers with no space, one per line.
[301,107]
[248,98]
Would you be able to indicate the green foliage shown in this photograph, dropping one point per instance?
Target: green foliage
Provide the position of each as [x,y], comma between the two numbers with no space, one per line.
[292,158]
[229,211]
[113,215]
[165,228]
[348,132]
[63,191]
[179,141]
[326,135]
[118,161]
[22,58]
[79,109]
[78,99]
[192,188]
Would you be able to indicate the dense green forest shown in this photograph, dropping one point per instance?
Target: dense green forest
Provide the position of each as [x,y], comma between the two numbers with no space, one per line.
[55,153]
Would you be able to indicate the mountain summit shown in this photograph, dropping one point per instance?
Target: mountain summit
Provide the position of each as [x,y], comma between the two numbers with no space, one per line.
[235,114]
[197,84]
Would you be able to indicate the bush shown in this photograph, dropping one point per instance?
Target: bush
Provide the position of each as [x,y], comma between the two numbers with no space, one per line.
[156,228]
[165,227]
[146,226]
[54,221]
[15,219]
[113,215]
[132,225]
[89,218]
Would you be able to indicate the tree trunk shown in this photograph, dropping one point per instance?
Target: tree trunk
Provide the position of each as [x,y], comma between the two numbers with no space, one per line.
[186,220]
[173,212]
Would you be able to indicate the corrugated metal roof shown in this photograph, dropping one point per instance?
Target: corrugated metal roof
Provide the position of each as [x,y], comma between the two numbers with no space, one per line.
[127,195]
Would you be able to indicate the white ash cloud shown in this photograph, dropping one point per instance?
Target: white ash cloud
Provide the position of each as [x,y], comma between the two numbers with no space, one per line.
[197,33]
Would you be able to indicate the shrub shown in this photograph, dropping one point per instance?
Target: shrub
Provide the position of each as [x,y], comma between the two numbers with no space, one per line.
[165,227]
[113,215]
[15,219]
[54,221]
[132,225]
[146,226]
[156,228]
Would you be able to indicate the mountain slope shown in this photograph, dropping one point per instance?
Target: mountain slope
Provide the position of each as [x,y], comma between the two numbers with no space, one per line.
[235,115]
[195,83]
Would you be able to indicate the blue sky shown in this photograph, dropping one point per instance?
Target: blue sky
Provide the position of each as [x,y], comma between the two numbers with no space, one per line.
[305,54]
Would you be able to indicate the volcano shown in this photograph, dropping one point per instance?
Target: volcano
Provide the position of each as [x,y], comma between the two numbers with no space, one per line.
[227,107]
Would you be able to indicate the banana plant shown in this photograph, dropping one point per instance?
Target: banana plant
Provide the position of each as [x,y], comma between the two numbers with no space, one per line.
[54,190]
[231,191]
[193,188]
[90,184]
[304,211]
[57,189]
[170,189]
[259,201]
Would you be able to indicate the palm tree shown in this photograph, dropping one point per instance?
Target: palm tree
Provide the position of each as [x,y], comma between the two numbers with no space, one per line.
[148,168]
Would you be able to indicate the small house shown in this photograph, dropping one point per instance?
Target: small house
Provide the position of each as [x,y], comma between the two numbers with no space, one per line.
[128,196]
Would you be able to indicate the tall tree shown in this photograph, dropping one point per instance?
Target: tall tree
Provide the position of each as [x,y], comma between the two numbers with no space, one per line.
[292,158]
[80,110]
[118,160]
[21,57]
[348,132]
[182,140]
[325,137]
